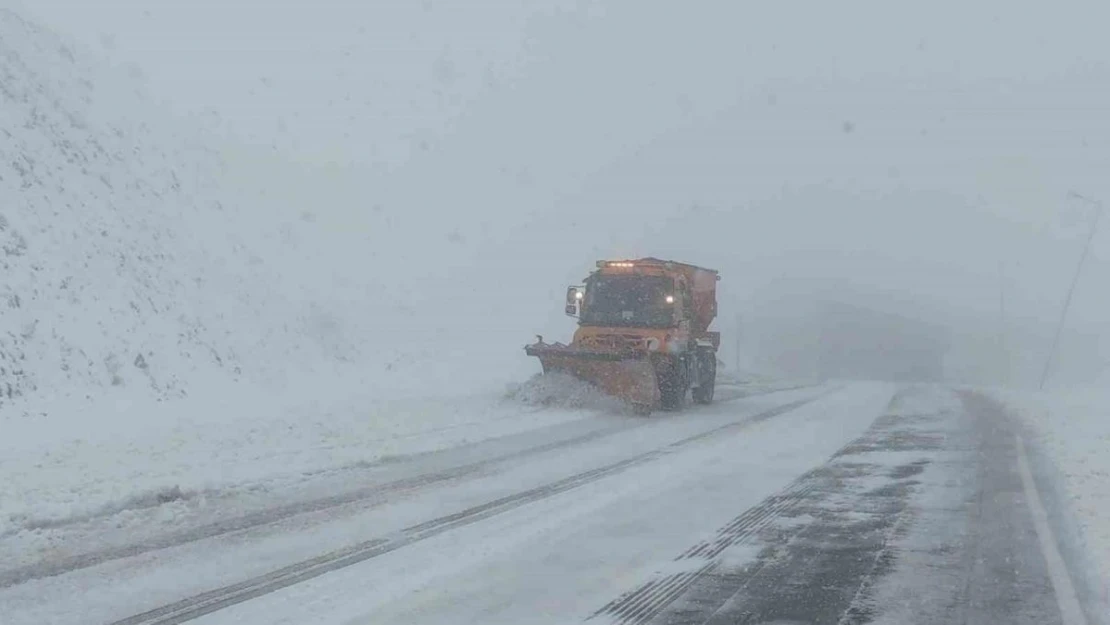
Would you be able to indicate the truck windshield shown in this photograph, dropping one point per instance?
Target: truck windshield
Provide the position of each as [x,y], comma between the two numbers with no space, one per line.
[629,301]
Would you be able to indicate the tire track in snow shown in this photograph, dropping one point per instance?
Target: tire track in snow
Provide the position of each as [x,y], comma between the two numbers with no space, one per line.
[281,513]
[220,598]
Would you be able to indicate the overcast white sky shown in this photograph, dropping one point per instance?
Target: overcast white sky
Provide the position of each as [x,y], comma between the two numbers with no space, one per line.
[907,147]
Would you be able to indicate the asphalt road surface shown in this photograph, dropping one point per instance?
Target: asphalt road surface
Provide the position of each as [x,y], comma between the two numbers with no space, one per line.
[859,503]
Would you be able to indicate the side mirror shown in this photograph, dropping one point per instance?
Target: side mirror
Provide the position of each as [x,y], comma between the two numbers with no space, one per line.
[575,295]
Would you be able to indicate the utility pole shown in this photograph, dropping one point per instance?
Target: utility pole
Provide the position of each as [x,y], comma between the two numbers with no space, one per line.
[1003,355]
[1075,280]
[739,323]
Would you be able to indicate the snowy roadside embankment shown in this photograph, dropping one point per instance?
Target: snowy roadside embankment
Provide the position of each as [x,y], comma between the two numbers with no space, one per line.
[1073,428]
[158,453]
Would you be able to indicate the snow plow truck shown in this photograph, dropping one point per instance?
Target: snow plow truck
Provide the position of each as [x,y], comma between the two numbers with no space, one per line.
[643,333]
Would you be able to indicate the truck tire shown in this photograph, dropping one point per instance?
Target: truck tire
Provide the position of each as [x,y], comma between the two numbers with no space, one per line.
[672,397]
[673,386]
[703,394]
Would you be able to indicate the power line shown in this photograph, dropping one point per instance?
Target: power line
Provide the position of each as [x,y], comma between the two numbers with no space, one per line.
[1075,280]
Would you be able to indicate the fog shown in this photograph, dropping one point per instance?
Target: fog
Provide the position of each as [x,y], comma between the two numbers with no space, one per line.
[908,160]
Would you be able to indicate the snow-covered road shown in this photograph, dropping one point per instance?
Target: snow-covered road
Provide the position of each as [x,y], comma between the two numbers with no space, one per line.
[835,504]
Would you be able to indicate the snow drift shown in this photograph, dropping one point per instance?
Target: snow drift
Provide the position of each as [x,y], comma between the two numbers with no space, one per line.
[564,391]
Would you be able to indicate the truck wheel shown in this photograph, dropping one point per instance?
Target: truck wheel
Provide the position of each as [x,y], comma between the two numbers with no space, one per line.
[703,394]
[672,397]
[673,386]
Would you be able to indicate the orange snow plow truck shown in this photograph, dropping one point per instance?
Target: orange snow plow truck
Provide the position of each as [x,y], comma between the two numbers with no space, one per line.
[643,333]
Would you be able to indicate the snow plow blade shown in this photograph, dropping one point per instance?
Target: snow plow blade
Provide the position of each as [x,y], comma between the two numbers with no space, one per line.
[629,376]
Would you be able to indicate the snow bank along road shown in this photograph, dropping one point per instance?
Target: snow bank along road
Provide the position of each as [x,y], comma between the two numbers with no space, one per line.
[861,503]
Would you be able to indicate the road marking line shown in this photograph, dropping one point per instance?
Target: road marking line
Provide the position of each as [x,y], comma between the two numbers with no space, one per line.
[1066,599]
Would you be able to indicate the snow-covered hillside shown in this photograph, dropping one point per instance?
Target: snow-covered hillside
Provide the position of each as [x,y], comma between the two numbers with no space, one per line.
[124,260]
[145,260]
[161,290]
